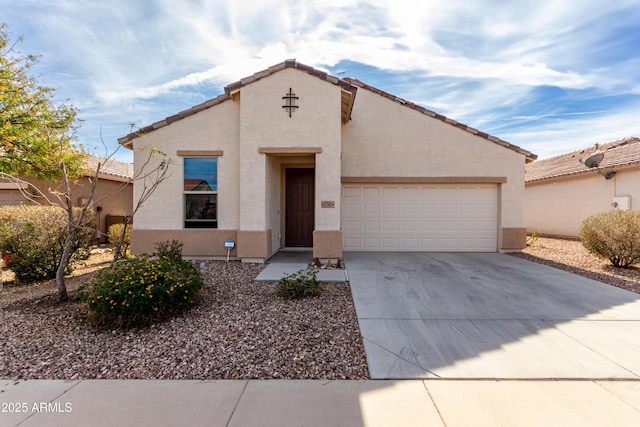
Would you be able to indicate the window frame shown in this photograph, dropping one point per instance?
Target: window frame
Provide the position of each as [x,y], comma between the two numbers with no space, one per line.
[204,223]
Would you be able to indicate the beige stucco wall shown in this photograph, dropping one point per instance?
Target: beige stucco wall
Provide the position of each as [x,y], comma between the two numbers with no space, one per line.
[558,207]
[213,129]
[384,139]
[115,197]
[387,139]
[251,183]
[264,123]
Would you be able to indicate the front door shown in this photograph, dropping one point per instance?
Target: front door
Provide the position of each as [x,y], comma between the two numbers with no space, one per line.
[299,214]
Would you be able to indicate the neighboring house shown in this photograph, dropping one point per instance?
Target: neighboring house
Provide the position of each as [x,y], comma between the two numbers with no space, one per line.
[112,200]
[560,192]
[293,157]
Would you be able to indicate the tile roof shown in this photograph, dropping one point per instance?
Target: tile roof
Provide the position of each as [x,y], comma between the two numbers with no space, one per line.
[622,153]
[110,168]
[347,84]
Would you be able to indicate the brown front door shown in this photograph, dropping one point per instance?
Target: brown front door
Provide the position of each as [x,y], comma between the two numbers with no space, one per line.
[299,207]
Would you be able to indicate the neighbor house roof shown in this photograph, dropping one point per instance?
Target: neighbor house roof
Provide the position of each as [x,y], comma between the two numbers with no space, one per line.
[618,154]
[349,87]
[109,168]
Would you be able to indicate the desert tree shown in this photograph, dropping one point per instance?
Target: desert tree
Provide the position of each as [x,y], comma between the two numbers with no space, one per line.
[148,176]
[37,135]
[38,139]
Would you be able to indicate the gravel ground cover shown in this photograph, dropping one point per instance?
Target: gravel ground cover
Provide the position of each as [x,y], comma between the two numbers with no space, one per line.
[571,256]
[239,330]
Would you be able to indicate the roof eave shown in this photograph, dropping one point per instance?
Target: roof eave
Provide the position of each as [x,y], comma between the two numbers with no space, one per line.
[582,173]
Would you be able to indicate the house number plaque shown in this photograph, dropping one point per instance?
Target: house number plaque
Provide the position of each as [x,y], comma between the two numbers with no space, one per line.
[327,204]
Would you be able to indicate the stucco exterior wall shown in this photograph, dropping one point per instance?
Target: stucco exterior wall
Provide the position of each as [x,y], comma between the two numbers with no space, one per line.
[115,198]
[258,140]
[213,129]
[264,123]
[558,207]
[387,139]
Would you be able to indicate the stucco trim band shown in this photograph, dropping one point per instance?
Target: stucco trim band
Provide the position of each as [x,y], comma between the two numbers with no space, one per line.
[513,238]
[199,153]
[327,244]
[197,242]
[424,179]
[254,244]
[289,150]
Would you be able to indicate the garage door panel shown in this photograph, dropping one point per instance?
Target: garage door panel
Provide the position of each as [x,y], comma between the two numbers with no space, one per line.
[391,244]
[429,209]
[371,208]
[429,226]
[390,225]
[371,192]
[372,226]
[390,192]
[420,217]
[390,208]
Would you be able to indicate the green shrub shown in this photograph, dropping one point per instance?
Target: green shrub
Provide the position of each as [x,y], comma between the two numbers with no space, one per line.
[614,235]
[300,284]
[169,249]
[33,238]
[115,230]
[139,291]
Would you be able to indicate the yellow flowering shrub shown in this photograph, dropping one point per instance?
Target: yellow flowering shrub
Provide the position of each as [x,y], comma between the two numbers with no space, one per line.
[139,291]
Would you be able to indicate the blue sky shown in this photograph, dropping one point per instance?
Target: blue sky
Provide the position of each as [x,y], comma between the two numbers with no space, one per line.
[549,76]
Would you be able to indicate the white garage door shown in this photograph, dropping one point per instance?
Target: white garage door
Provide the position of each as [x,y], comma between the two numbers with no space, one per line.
[420,217]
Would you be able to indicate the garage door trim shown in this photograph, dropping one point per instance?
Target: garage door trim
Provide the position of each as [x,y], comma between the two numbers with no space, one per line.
[426,217]
[424,180]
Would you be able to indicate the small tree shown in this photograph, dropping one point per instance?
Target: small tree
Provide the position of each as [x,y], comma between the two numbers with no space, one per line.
[149,177]
[36,135]
[37,139]
[613,235]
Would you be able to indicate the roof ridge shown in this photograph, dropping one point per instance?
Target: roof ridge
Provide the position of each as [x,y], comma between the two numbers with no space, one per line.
[346,83]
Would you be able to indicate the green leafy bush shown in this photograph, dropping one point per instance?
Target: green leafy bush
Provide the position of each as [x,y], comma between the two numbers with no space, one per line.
[614,235]
[169,249]
[115,230]
[140,290]
[300,284]
[33,238]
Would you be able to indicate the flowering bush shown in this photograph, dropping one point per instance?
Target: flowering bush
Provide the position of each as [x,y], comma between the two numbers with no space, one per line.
[614,235]
[139,291]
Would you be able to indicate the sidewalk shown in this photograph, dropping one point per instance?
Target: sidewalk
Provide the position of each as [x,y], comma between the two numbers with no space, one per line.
[319,403]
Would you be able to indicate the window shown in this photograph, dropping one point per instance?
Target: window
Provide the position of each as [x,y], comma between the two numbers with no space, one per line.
[201,192]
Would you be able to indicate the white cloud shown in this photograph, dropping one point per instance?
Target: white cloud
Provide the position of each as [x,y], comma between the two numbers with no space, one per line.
[476,61]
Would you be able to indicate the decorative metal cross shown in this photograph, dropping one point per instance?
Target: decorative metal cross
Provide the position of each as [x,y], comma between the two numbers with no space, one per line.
[290,99]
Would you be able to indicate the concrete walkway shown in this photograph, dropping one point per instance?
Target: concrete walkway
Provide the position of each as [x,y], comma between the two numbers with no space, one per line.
[319,403]
[490,316]
[285,263]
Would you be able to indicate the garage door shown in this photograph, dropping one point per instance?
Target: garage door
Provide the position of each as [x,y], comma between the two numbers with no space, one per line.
[399,217]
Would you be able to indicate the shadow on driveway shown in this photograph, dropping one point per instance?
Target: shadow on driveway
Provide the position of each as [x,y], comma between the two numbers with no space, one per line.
[489,315]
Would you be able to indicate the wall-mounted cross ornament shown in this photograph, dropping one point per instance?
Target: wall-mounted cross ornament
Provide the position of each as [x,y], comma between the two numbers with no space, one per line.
[290,101]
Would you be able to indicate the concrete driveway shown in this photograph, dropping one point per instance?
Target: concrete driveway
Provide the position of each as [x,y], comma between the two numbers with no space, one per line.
[489,315]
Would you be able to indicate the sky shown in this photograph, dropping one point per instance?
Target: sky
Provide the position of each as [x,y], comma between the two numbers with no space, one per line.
[548,76]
